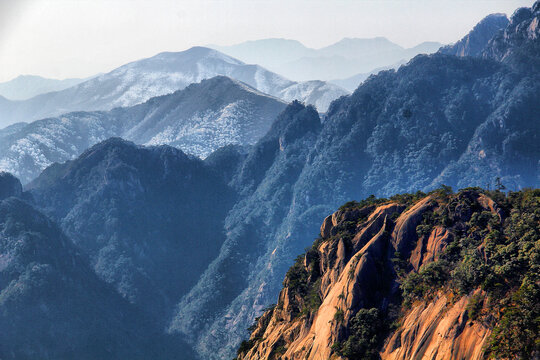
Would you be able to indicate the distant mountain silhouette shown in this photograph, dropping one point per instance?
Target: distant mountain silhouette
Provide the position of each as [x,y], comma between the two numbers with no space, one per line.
[346,58]
[26,86]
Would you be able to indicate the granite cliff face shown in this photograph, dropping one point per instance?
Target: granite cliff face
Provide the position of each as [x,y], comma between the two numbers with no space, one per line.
[518,44]
[476,40]
[394,279]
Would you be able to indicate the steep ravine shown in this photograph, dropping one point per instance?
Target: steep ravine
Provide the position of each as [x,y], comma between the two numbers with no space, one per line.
[411,277]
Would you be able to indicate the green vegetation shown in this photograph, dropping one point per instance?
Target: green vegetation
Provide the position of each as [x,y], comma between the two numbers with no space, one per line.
[517,333]
[422,284]
[278,350]
[339,315]
[370,200]
[496,251]
[405,198]
[498,255]
[305,281]
[475,306]
[365,336]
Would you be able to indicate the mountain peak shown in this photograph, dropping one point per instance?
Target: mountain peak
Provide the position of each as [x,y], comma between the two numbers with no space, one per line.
[476,40]
[518,45]
[121,147]
[224,84]
[28,76]
[176,58]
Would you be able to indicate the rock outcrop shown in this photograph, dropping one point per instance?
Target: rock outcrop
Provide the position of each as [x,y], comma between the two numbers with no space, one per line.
[518,44]
[438,330]
[476,40]
[384,281]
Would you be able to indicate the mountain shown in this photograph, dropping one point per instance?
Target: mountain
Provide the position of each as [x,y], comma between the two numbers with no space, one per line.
[198,120]
[476,40]
[9,186]
[413,276]
[427,47]
[517,45]
[315,92]
[266,178]
[269,53]
[137,82]
[401,131]
[141,215]
[349,57]
[345,58]
[353,82]
[355,48]
[26,86]
[52,305]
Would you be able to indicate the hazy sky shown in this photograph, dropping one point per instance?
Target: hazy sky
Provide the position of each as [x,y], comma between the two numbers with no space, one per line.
[78,38]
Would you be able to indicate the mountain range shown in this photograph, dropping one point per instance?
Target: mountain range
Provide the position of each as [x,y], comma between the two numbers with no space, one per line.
[26,86]
[186,250]
[147,238]
[345,58]
[198,119]
[162,74]
[53,304]
[401,131]
[351,83]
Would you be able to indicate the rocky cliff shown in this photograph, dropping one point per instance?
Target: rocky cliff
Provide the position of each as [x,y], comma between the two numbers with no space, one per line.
[477,39]
[423,276]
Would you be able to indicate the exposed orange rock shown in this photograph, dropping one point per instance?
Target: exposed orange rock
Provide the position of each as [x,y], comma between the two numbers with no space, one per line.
[429,249]
[404,236]
[490,205]
[351,269]
[438,330]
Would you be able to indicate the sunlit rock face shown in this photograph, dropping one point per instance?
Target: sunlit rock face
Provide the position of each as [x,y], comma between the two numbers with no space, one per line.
[384,281]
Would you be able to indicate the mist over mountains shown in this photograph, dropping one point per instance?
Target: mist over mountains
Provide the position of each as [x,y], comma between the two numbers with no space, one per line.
[26,86]
[348,57]
[164,227]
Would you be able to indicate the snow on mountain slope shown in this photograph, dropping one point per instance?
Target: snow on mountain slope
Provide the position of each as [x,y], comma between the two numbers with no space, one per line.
[167,72]
[315,92]
[199,119]
[27,152]
[141,80]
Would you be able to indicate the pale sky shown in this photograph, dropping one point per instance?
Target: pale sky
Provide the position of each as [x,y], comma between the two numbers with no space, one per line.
[79,38]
